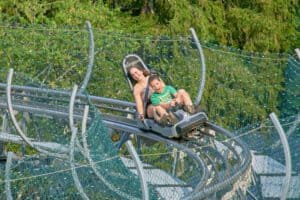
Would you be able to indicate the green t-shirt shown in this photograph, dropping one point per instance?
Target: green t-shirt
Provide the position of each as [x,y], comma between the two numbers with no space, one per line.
[163,98]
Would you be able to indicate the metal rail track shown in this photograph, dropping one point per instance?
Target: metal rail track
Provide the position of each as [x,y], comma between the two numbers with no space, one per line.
[211,180]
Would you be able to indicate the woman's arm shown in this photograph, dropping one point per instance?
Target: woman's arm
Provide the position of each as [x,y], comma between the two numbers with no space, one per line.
[139,102]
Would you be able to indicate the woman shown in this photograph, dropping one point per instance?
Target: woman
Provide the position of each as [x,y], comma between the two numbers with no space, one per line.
[140,76]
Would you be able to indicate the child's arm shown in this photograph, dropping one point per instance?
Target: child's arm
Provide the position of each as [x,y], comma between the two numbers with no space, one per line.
[175,95]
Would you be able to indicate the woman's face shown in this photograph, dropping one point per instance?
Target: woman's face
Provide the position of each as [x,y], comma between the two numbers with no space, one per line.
[136,74]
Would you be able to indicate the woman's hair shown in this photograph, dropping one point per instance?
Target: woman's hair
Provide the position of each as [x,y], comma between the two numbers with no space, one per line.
[134,62]
[139,67]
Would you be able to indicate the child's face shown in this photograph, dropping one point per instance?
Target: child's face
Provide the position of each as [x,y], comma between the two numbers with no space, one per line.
[157,85]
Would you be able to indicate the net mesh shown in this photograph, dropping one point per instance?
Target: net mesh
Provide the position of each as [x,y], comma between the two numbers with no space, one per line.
[241,90]
[99,167]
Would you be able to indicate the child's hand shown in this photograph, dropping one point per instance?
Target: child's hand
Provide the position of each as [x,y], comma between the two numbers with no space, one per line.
[173,102]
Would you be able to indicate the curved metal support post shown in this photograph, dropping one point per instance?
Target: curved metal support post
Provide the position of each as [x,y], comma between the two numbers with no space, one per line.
[83,131]
[7,176]
[92,163]
[203,68]
[140,170]
[139,144]
[12,116]
[71,106]
[74,173]
[175,161]
[291,129]
[10,109]
[125,136]
[298,53]
[287,155]
[91,58]
[71,115]
[294,126]
[4,127]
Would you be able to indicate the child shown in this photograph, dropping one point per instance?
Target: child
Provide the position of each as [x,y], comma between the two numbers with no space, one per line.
[165,97]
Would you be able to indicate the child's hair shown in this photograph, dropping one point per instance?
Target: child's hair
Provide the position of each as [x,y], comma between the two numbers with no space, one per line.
[154,77]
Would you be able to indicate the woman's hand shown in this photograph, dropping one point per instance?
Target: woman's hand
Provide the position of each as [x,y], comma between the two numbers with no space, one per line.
[141,116]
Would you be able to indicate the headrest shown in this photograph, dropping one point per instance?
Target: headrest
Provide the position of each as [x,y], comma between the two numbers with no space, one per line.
[133,59]
[129,64]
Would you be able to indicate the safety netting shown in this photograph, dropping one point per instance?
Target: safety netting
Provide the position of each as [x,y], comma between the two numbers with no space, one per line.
[94,170]
[241,90]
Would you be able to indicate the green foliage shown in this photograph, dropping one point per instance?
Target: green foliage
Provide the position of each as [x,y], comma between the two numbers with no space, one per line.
[237,87]
[263,35]
[290,101]
[240,88]
[165,11]
[263,26]
[45,50]
[162,160]
[16,148]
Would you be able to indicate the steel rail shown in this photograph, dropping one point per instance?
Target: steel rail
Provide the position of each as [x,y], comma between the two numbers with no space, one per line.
[217,176]
[212,151]
[66,93]
[233,138]
[21,94]
[14,120]
[79,112]
[234,177]
[124,124]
